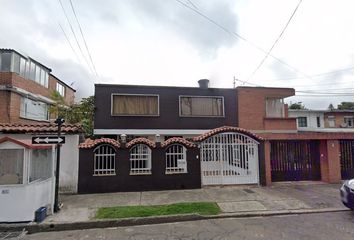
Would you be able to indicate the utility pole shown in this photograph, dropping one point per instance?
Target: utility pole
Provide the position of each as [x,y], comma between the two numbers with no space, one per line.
[235,81]
[58,121]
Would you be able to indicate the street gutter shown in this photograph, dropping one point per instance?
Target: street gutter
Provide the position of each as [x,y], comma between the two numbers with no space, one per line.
[66,226]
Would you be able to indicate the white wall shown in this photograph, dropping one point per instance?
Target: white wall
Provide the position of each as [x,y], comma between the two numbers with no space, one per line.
[69,161]
[311,118]
[19,202]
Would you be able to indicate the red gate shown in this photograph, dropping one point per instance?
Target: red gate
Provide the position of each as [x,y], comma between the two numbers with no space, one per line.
[295,160]
[347,159]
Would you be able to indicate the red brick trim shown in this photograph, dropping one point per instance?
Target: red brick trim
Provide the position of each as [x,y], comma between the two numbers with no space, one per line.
[178,140]
[141,140]
[25,143]
[89,143]
[226,129]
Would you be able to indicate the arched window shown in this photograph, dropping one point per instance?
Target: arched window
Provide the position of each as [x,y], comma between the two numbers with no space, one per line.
[104,160]
[140,159]
[176,159]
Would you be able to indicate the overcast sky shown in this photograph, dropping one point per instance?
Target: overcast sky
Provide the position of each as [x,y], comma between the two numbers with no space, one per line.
[163,42]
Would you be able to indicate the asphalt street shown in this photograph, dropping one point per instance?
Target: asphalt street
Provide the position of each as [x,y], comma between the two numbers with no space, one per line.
[331,226]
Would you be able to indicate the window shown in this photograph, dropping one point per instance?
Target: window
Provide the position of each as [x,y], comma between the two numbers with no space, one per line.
[348,121]
[23,64]
[34,110]
[104,161]
[135,105]
[140,159]
[60,89]
[200,106]
[40,165]
[331,121]
[274,107]
[302,121]
[318,122]
[11,166]
[16,63]
[6,62]
[176,159]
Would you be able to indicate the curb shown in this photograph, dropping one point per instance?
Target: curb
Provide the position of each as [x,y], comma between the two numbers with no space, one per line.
[66,226]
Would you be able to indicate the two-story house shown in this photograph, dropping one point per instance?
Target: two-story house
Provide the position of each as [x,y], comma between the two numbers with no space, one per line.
[289,145]
[26,87]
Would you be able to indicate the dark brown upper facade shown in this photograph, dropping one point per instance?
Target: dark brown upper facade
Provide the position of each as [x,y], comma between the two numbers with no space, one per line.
[26,87]
[157,107]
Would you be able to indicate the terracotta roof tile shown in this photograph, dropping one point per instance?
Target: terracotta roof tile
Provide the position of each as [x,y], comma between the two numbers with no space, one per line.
[39,128]
[225,129]
[90,143]
[178,140]
[141,140]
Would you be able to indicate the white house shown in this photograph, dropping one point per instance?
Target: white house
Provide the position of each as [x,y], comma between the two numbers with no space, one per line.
[308,119]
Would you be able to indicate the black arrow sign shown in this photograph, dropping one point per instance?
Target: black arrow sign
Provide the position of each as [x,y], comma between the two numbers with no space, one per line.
[48,140]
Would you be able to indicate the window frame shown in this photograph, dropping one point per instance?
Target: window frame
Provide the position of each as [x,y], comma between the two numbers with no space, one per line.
[267,113]
[59,86]
[24,165]
[175,170]
[135,115]
[200,116]
[107,157]
[298,122]
[140,171]
[331,119]
[23,110]
[351,119]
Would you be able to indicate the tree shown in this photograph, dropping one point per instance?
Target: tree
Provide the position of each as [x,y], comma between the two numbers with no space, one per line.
[82,113]
[57,107]
[297,105]
[346,106]
[330,107]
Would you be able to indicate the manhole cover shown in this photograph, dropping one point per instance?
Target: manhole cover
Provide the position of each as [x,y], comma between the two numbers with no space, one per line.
[12,235]
[248,190]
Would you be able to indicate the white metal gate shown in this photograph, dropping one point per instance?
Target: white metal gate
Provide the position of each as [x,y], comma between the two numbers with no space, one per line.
[229,158]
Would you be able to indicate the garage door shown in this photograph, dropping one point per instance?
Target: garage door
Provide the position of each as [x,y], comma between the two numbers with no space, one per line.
[295,160]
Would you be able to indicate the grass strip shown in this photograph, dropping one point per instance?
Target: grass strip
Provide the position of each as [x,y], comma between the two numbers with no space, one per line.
[202,208]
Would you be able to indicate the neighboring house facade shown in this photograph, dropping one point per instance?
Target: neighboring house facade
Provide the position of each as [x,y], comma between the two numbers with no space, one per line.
[307,119]
[26,87]
[339,119]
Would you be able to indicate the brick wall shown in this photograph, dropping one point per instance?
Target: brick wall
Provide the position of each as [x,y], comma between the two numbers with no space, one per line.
[339,118]
[252,107]
[4,106]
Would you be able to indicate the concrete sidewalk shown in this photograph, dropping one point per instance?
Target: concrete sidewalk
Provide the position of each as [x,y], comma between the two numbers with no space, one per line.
[296,197]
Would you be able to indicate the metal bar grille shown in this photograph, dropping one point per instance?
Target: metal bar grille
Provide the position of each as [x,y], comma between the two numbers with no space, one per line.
[229,158]
[104,161]
[295,160]
[347,158]
[140,159]
[176,159]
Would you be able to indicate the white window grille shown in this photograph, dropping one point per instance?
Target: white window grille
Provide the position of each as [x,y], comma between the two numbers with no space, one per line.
[140,159]
[176,159]
[104,161]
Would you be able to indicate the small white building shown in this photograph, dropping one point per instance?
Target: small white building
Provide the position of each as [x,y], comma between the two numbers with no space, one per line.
[69,154]
[27,180]
[308,119]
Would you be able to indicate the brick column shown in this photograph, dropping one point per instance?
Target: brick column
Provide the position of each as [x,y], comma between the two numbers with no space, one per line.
[330,161]
[268,170]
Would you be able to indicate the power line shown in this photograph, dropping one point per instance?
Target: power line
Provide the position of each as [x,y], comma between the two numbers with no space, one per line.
[275,42]
[236,35]
[67,39]
[72,30]
[315,75]
[82,35]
